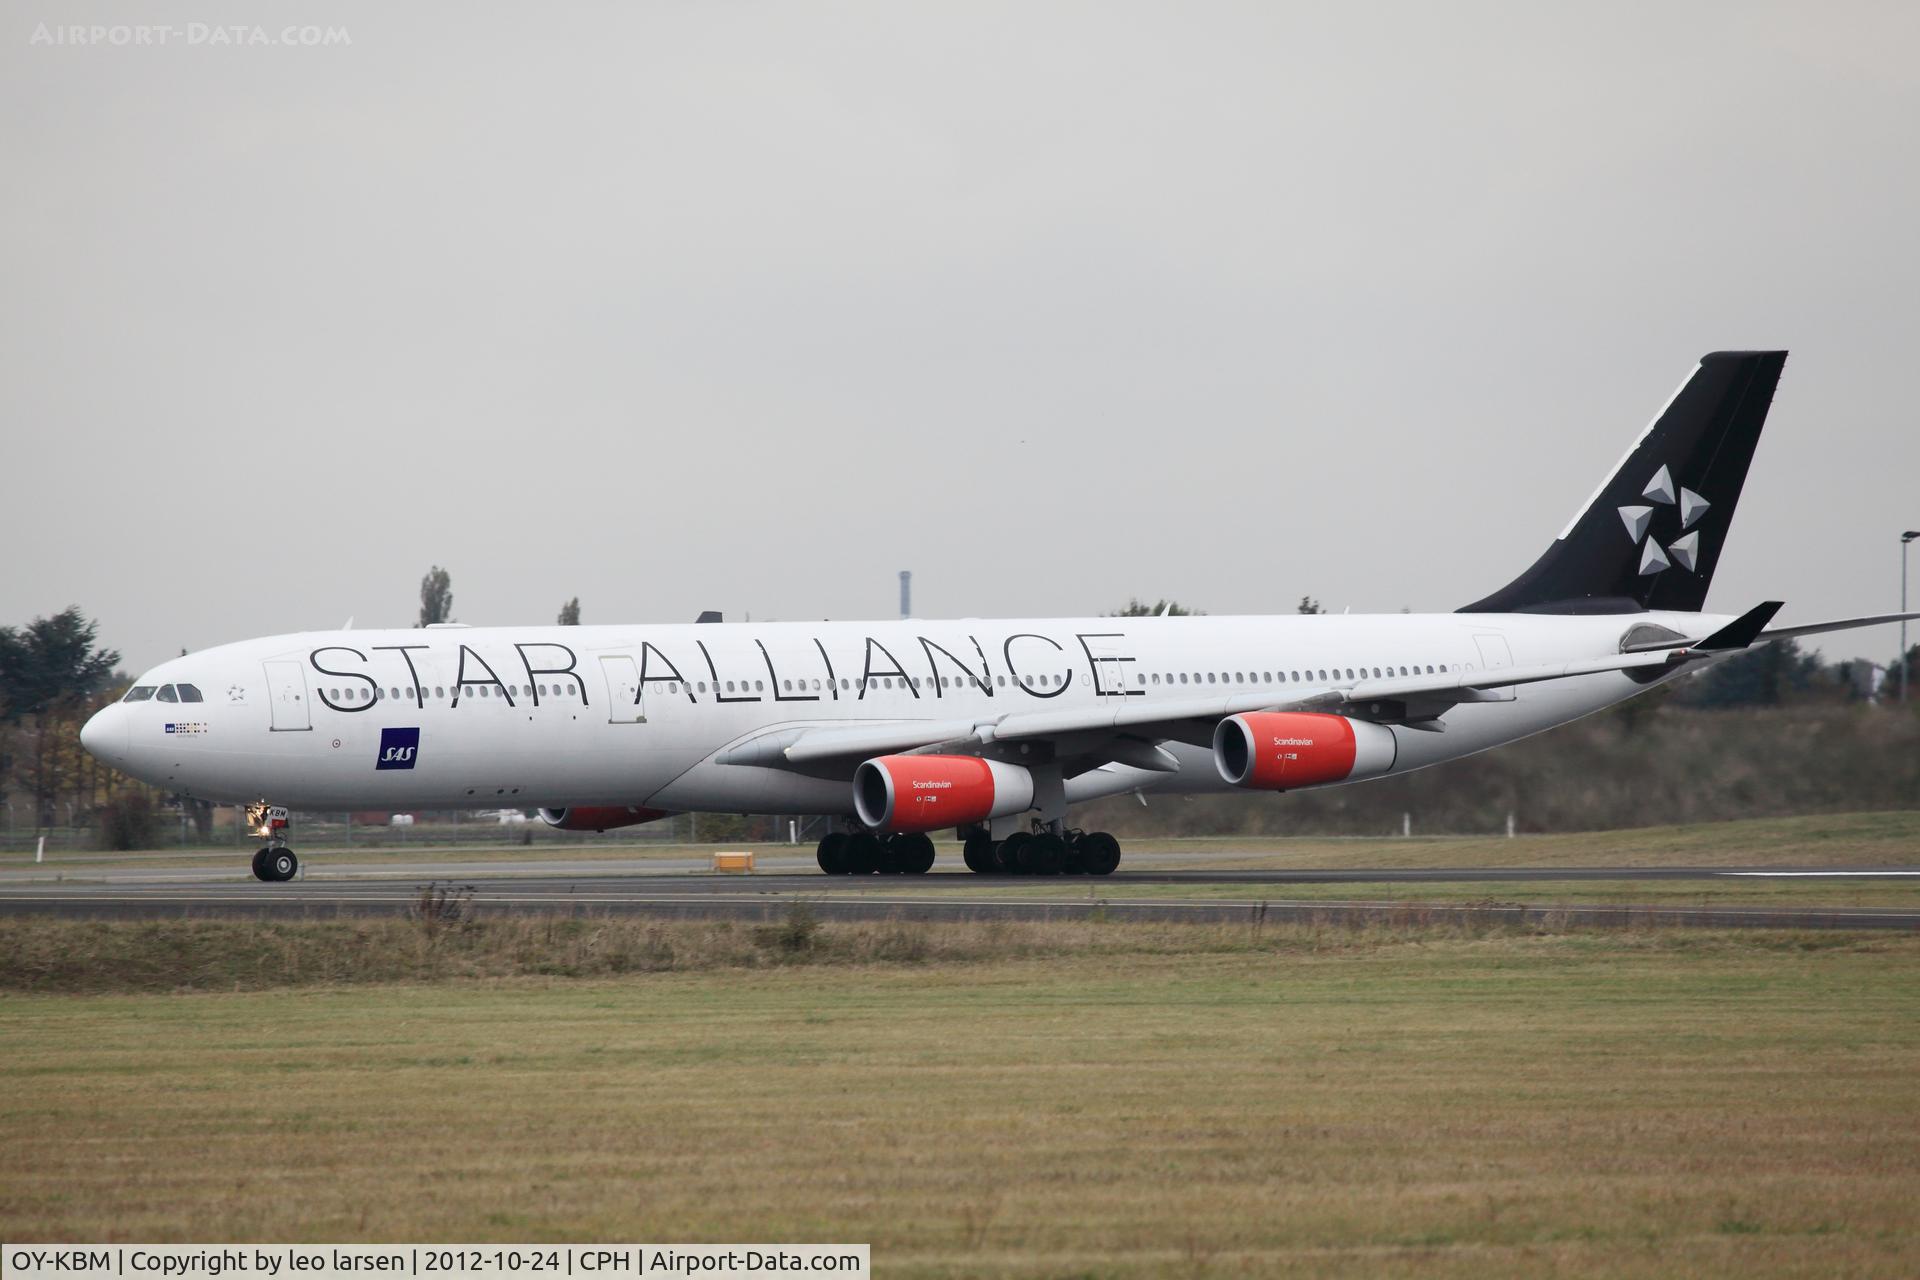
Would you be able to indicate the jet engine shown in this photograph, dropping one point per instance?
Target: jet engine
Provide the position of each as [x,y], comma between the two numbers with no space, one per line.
[1281,750]
[926,793]
[598,817]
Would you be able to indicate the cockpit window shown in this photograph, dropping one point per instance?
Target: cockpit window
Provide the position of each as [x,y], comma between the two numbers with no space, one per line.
[189,693]
[139,693]
[167,694]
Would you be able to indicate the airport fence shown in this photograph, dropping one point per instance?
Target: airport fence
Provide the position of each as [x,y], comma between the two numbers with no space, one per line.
[335,832]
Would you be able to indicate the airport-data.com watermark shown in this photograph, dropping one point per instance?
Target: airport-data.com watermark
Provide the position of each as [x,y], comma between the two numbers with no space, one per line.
[186,35]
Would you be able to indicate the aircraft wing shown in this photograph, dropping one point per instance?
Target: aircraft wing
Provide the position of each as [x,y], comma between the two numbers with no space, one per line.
[1395,698]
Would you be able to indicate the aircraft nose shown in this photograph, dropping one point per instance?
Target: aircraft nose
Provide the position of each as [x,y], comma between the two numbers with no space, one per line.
[104,735]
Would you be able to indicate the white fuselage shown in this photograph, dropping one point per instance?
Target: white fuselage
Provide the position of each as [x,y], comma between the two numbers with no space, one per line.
[467,717]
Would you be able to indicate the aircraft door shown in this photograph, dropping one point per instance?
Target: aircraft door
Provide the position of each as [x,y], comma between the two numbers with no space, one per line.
[1494,656]
[287,695]
[1111,663]
[624,705]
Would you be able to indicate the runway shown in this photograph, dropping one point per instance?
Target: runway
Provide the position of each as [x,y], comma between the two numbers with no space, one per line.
[584,889]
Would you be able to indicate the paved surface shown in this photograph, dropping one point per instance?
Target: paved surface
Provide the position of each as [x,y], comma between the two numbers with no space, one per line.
[589,888]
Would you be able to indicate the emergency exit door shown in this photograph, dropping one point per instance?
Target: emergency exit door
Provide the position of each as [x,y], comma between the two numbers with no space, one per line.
[624,704]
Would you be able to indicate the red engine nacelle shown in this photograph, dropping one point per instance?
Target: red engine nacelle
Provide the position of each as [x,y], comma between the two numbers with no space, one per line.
[599,817]
[1281,750]
[925,793]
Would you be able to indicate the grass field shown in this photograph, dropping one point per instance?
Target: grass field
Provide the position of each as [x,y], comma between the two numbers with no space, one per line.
[1093,1099]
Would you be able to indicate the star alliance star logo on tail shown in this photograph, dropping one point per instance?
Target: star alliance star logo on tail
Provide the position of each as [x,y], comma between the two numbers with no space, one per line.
[398,748]
[1683,550]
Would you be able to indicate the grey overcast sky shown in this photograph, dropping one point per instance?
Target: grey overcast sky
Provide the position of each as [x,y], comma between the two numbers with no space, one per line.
[750,306]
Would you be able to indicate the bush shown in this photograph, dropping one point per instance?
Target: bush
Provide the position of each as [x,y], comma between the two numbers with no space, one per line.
[129,822]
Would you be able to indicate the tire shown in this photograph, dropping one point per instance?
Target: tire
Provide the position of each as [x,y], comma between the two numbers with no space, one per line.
[260,869]
[1006,854]
[1042,855]
[863,853]
[1075,863]
[832,853]
[282,865]
[978,853]
[917,855]
[893,858]
[1101,851]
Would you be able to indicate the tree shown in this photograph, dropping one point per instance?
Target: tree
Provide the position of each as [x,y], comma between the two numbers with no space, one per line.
[436,597]
[48,672]
[1309,605]
[1137,608]
[1891,689]
[570,613]
[1761,677]
[54,663]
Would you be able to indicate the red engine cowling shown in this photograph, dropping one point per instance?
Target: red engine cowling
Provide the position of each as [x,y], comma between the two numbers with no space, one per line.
[1281,750]
[925,793]
[599,817]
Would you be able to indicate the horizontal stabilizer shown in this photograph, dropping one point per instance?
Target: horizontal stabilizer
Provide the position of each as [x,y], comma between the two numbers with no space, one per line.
[1743,630]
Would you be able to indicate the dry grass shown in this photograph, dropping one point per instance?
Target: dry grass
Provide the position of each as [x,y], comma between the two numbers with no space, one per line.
[1066,1100]
[440,941]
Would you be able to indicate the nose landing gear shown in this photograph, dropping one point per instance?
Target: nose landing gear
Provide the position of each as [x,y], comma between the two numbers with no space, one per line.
[275,862]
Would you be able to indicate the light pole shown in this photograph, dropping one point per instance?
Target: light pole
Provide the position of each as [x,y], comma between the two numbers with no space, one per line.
[1905,538]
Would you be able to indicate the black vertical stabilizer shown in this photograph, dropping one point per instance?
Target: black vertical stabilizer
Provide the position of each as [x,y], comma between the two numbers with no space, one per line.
[1651,536]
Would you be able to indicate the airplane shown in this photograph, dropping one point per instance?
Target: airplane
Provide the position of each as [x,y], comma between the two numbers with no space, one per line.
[993,729]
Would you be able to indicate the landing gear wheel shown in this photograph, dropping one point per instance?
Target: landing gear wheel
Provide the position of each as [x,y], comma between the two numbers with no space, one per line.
[832,853]
[892,851]
[1075,863]
[978,853]
[282,865]
[1042,855]
[1101,851]
[862,854]
[260,868]
[915,854]
[1006,854]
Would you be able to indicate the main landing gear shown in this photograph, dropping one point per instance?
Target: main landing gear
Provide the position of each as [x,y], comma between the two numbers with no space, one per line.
[275,861]
[862,853]
[1043,853]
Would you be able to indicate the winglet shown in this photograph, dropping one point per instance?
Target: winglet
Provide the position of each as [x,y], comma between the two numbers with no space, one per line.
[1743,630]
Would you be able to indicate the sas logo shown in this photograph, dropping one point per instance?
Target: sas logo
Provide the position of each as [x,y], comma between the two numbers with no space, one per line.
[398,747]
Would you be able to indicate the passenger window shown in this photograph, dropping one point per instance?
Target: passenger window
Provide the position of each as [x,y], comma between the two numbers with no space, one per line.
[167,694]
[189,693]
[139,693]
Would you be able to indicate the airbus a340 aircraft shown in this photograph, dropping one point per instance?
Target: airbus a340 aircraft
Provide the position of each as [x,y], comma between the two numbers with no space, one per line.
[992,728]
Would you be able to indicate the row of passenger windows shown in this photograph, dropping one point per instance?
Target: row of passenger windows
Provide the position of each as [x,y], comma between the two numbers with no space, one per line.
[1297,677]
[1055,681]
[190,694]
[164,693]
[363,694]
